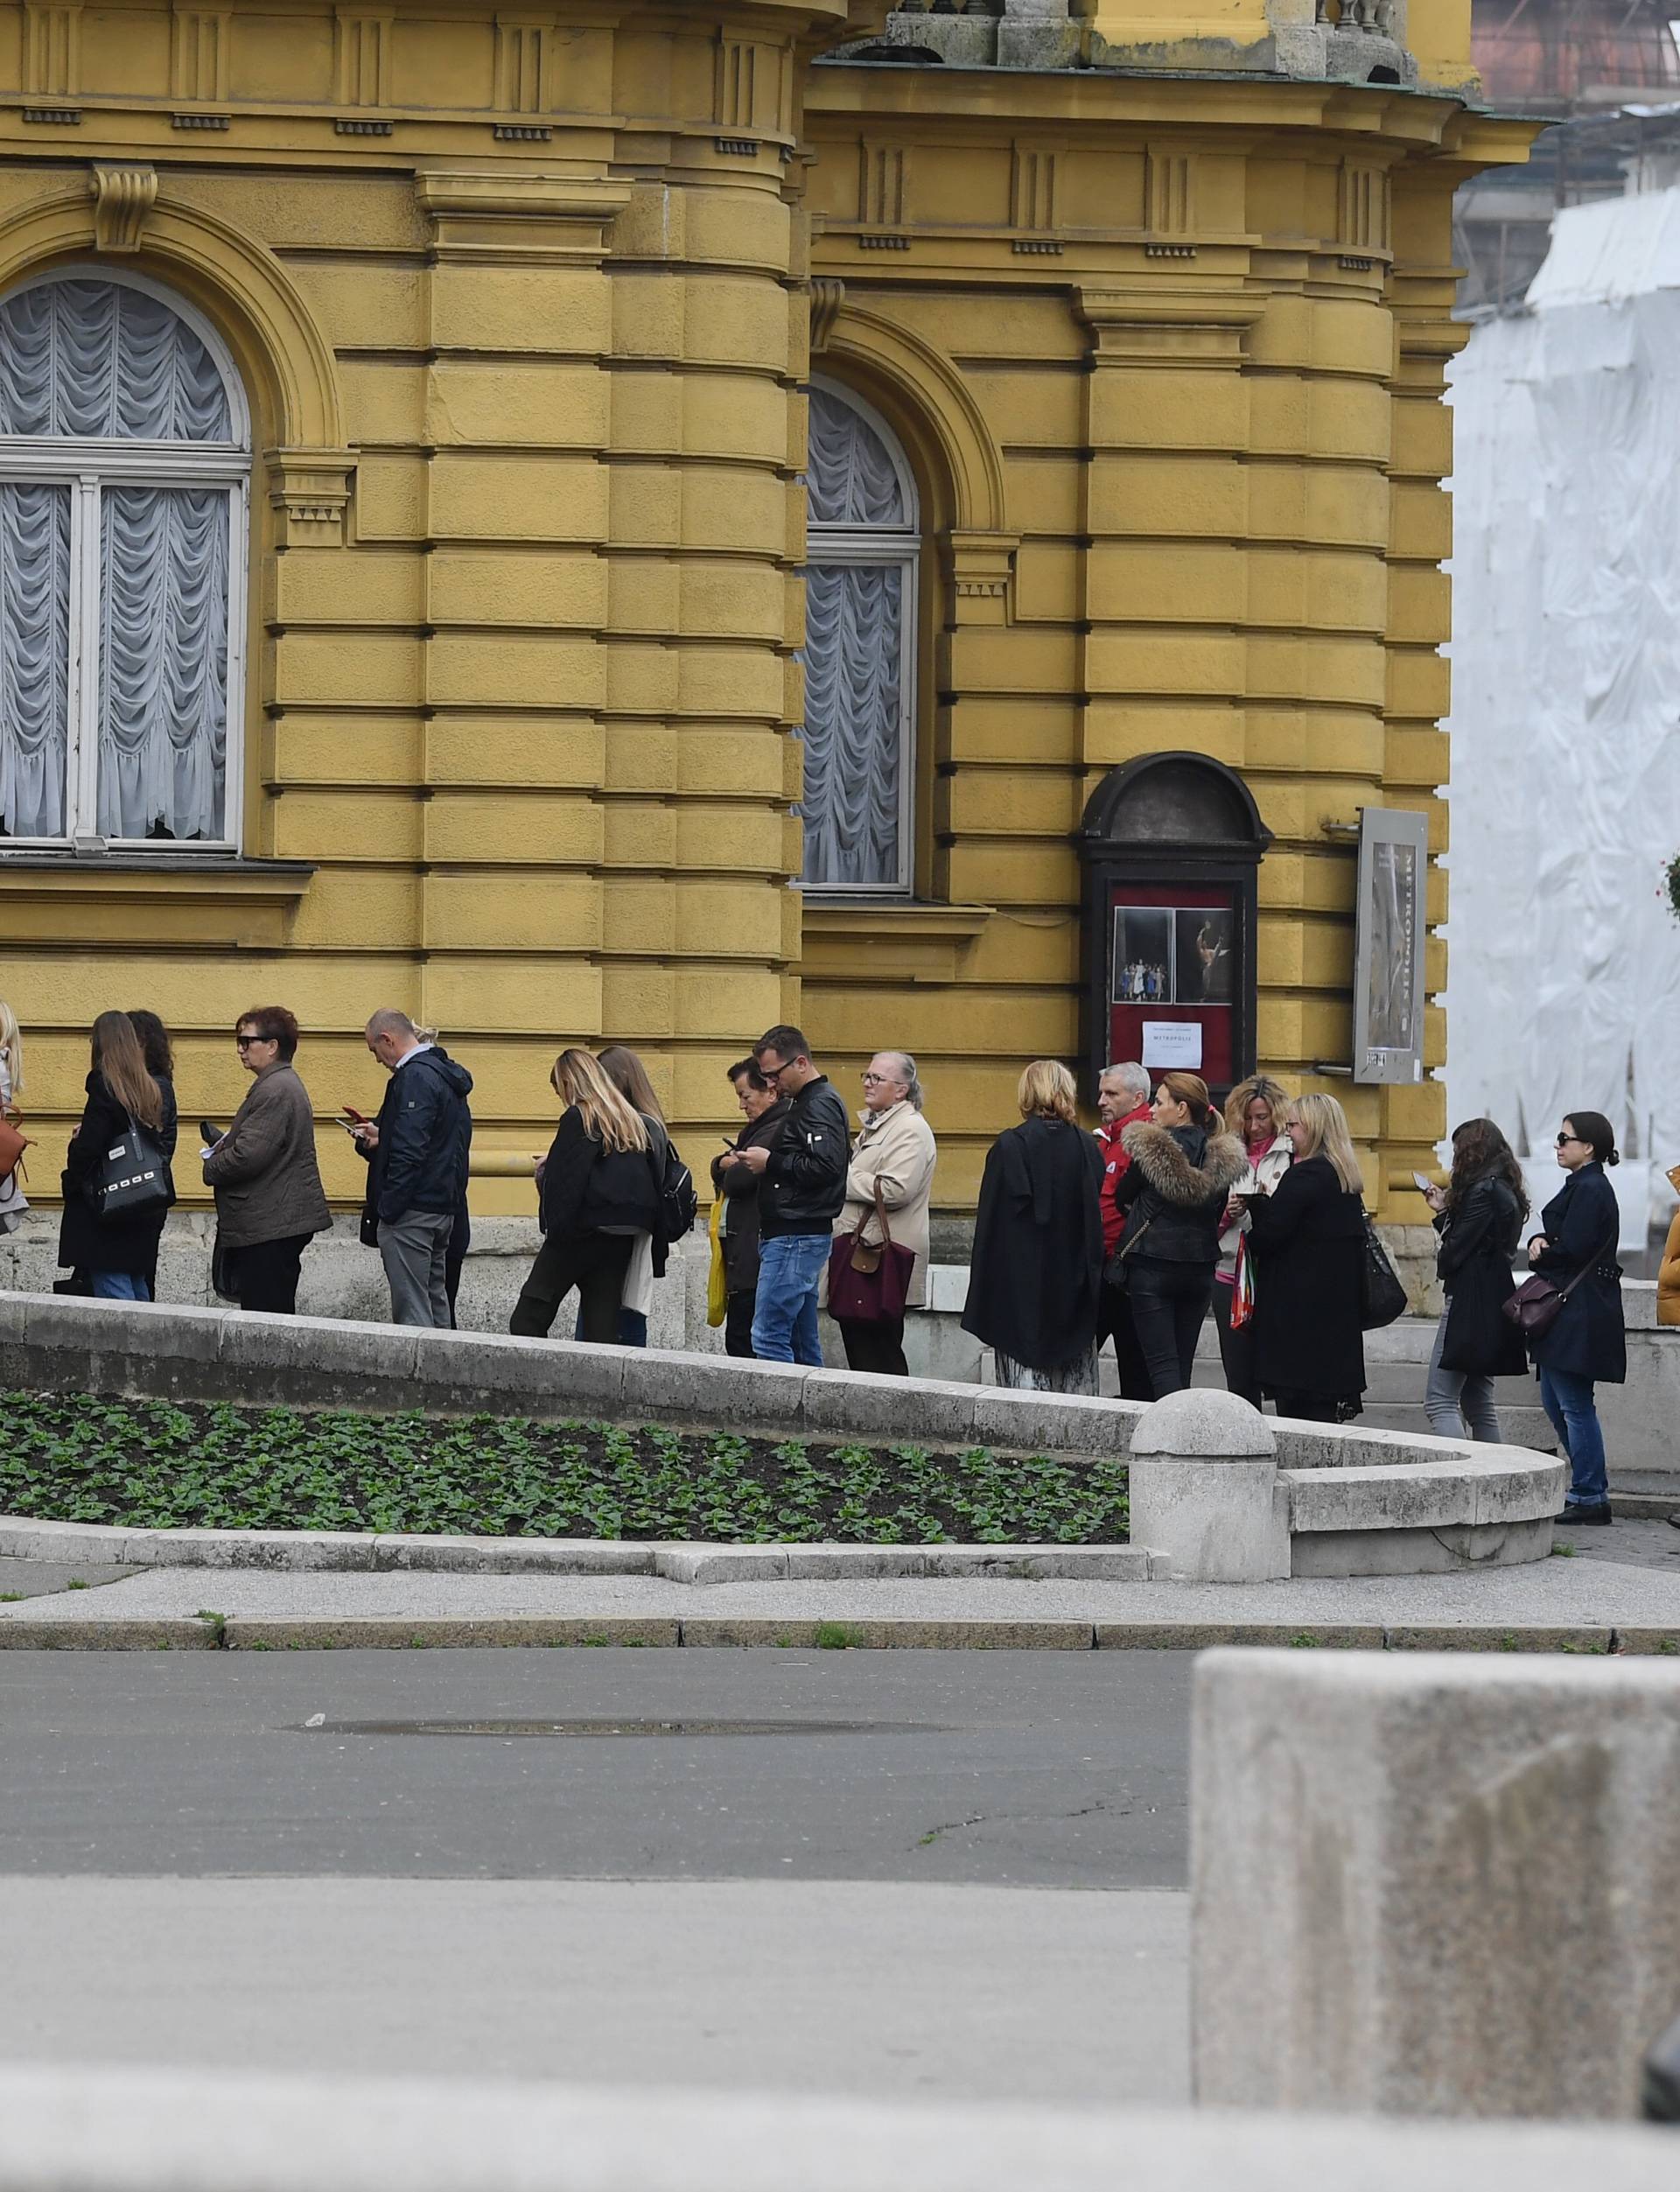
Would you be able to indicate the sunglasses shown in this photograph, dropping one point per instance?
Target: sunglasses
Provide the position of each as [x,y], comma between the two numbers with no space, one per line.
[244,1042]
[1564,1140]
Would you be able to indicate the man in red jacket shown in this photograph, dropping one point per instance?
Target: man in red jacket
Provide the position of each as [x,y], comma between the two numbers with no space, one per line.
[1122,1098]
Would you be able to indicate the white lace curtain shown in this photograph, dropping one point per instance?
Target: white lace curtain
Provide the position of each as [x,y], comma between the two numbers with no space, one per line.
[85,365]
[862,546]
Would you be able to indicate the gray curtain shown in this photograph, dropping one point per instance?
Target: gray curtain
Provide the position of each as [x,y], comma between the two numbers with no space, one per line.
[34,658]
[87,361]
[97,362]
[163,682]
[854,660]
[850,477]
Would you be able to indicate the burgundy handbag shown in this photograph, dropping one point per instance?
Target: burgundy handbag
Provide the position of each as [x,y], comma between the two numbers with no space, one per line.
[13,1143]
[1536,1304]
[869,1283]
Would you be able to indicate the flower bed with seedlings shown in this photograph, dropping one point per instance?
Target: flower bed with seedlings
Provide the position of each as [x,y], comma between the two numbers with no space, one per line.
[153,1465]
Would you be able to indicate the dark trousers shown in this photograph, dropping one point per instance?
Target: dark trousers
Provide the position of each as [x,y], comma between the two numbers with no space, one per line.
[1308,1408]
[595,1263]
[265,1275]
[1119,1325]
[876,1343]
[738,1323]
[1236,1348]
[1168,1303]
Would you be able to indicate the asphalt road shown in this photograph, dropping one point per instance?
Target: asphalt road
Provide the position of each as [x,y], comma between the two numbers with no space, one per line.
[1057,1769]
[900,1882]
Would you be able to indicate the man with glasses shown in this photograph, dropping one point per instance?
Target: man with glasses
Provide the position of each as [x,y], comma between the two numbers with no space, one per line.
[802,1186]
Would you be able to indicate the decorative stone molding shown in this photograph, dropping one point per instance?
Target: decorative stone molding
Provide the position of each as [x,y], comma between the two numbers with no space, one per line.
[827,297]
[880,195]
[496,215]
[1362,225]
[1169,192]
[1033,177]
[1169,321]
[199,38]
[122,199]
[980,570]
[524,63]
[309,490]
[52,49]
[361,56]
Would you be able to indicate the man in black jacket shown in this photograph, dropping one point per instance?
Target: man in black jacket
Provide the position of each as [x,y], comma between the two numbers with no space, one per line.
[801,1189]
[416,1152]
[765,1111]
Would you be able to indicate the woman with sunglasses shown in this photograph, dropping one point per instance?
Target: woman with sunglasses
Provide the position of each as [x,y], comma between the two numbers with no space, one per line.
[1587,1344]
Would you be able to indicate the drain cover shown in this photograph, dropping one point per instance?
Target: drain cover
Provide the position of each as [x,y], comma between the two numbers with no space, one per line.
[616,1727]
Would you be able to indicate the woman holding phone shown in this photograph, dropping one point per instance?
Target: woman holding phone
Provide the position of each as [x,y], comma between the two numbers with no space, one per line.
[270,1201]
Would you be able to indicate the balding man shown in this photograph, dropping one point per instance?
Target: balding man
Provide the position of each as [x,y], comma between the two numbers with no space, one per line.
[1122,1099]
[416,1153]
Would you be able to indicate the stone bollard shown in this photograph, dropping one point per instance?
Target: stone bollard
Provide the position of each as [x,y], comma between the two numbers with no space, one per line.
[1205,1489]
[1432,1885]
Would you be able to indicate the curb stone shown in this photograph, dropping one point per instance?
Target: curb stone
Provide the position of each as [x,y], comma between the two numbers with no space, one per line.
[212,1632]
[20,1633]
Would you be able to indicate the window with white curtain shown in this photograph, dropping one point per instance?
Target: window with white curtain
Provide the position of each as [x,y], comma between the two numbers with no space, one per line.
[124,477]
[862,547]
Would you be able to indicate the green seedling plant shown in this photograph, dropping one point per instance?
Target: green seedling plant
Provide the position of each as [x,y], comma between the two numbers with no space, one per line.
[163,1465]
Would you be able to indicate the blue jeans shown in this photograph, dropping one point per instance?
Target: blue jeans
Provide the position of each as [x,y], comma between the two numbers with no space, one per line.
[118,1286]
[784,1314]
[1567,1398]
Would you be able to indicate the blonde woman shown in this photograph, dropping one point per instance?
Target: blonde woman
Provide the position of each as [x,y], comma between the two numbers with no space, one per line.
[1309,1244]
[1035,1283]
[12,1202]
[1255,1111]
[597,1193]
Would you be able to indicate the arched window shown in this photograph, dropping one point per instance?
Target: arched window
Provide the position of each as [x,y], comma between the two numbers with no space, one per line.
[862,548]
[124,471]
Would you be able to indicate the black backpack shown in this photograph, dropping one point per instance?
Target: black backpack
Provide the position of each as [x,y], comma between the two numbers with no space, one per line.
[678,1203]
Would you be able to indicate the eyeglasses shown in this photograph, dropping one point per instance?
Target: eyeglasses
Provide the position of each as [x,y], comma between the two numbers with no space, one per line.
[868,1077]
[774,1072]
[244,1042]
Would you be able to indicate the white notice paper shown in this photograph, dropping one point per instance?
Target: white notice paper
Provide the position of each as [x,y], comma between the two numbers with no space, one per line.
[1172,1043]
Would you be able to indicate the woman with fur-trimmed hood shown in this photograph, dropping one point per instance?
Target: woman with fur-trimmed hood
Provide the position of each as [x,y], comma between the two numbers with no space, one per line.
[1174,1194]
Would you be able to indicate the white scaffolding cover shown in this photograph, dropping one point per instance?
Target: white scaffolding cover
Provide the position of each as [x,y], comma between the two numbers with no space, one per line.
[1564,972]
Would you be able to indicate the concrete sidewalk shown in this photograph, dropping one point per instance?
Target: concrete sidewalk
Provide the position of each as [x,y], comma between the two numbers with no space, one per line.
[1558,1604]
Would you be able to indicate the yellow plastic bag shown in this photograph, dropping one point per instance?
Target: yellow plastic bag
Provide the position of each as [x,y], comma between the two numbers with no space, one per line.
[716,1278]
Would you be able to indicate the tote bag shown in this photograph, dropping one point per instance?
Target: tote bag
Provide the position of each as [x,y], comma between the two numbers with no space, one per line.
[866,1282]
[131,1179]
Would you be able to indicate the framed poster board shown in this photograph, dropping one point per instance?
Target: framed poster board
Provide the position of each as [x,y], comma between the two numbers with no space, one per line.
[1170,846]
[1388,945]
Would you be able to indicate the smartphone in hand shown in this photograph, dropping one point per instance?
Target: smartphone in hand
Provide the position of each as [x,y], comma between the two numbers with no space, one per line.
[210,1133]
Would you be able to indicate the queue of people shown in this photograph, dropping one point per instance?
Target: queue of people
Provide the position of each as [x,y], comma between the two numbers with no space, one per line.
[1127,1236]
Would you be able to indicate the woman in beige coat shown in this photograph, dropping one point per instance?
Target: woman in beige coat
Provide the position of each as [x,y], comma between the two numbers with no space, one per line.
[894,1150]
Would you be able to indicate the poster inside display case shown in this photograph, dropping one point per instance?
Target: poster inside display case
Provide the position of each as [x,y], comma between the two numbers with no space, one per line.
[1171,972]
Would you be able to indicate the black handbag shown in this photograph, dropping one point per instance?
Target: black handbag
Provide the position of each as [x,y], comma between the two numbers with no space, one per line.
[131,1179]
[1382,1298]
[1115,1273]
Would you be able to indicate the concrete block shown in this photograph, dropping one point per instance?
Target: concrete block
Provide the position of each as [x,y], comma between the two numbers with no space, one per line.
[397,1632]
[906,1635]
[313,1361]
[14,1313]
[451,1555]
[1426,1495]
[1052,1423]
[1520,1491]
[727,1563]
[315,1550]
[729,1392]
[1446,1549]
[485,1373]
[1205,1489]
[1434,1886]
[74,1344]
[24,1539]
[904,1410]
[19,1631]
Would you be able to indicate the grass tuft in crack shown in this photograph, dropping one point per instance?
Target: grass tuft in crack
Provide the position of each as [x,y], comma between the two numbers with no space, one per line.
[160,1465]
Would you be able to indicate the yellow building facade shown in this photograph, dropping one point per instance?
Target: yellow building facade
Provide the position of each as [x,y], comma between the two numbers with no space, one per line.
[429,590]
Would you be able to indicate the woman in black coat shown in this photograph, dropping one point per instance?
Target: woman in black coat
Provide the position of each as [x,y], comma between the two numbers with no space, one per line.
[1174,1194]
[1479,1215]
[1308,1243]
[1588,1343]
[118,1257]
[1035,1280]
